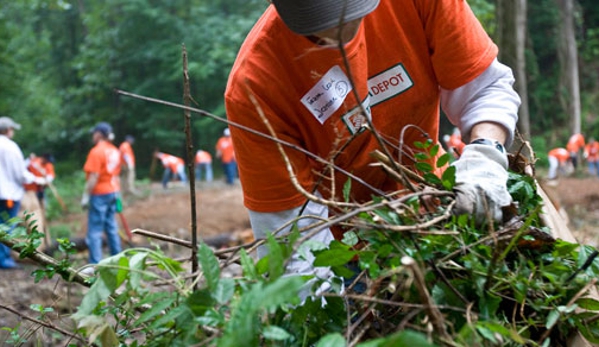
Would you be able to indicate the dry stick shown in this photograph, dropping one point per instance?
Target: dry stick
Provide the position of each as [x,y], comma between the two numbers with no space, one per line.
[255,132]
[42,323]
[415,228]
[190,166]
[433,311]
[163,237]
[386,161]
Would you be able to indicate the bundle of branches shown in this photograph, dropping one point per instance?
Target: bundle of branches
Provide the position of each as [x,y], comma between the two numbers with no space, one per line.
[461,284]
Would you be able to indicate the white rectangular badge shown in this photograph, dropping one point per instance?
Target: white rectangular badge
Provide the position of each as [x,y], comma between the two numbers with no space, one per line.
[388,83]
[328,94]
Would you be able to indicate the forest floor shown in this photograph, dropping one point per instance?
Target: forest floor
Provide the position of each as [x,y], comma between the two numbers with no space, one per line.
[220,213]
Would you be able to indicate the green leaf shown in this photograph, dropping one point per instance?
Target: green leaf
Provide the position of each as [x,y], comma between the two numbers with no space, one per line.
[552,318]
[155,310]
[443,160]
[137,264]
[210,265]
[347,190]
[337,254]
[200,301]
[432,178]
[272,332]
[588,304]
[424,167]
[350,238]
[224,290]
[434,150]
[331,340]
[248,266]
[448,178]
[275,257]
[421,156]
[172,315]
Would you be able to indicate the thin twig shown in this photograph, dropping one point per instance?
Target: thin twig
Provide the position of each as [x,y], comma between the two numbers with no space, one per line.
[69,274]
[42,323]
[190,164]
[162,237]
[433,311]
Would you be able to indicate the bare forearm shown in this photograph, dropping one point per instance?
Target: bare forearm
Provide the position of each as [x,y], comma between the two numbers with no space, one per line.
[489,130]
[91,182]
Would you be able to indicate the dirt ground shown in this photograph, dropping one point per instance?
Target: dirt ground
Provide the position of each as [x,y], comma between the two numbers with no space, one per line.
[220,213]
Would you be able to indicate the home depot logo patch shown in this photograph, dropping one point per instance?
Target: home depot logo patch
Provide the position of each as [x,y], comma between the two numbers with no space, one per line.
[388,84]
[355,120]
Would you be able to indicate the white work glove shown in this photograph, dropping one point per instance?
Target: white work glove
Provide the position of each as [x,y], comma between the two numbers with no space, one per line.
[40,181]
[481,172]
[85,200]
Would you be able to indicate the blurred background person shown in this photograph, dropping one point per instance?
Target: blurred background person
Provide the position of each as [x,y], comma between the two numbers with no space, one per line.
[203,167]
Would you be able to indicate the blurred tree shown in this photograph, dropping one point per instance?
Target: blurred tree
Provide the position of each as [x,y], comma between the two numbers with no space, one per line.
[511,38]
[568,56]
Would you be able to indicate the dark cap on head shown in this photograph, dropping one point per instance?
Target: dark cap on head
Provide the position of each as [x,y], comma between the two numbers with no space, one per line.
[103,128]
[130,138]
[306,17]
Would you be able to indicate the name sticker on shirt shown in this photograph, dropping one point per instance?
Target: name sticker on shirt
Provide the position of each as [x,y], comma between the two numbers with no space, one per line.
[389,83]
[355,120]
[328,94]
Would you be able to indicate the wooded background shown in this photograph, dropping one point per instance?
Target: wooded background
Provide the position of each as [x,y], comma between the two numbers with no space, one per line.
[61,60]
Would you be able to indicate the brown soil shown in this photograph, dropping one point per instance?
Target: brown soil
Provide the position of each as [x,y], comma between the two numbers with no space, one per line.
[220,212]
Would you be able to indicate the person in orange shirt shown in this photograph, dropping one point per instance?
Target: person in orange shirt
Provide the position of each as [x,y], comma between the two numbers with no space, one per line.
[203,162]
[454,143]
[173,167]
[402,60]
[128,166]
[591,154]
[574,145]
[102,186]
[34,200]
[226,154]
[559,160]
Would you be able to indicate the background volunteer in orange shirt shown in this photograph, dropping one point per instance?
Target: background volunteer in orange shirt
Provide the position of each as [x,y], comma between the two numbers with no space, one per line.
[455,145]
[574,145]
[34,200]
[559,159]
[203,161]
[128,166]
[591,154]
[173,167]
[406,58]
[102,169]
[226,154]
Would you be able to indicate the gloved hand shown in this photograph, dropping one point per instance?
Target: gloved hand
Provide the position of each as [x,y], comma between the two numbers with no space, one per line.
[85,200]
[481,182]
[40,181]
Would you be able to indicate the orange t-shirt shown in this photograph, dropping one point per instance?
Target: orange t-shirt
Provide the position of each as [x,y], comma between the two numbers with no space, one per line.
[39,170]
[126,149]
[455,141]
[561,154]
[403,51]
[170,161]
[575,143]
[104,159]
[224,146]
[592,152]
[203,157]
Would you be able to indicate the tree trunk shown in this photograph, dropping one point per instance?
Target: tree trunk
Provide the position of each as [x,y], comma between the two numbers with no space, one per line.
[568,56]
[511,38]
